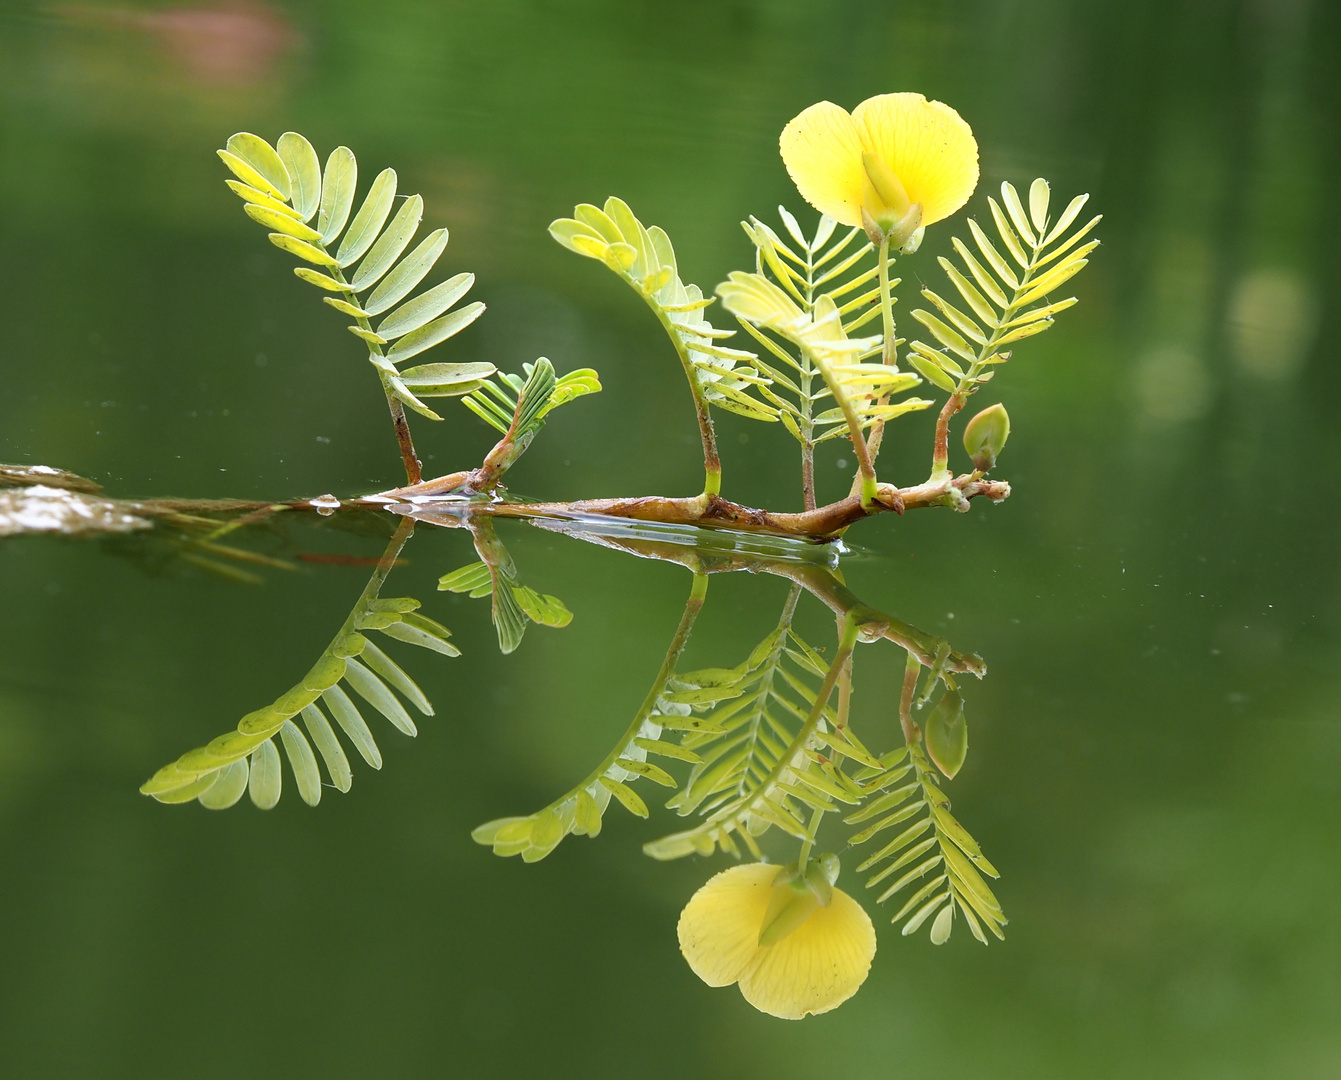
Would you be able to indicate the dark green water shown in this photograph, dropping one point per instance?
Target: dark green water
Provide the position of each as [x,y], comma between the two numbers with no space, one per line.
[1155,753]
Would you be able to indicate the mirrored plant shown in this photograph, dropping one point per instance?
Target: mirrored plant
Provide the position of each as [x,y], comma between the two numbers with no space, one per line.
[759,755]
[767,750]
[350,668]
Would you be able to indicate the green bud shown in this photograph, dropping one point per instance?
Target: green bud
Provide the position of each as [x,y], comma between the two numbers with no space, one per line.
[986,435]
[947,734]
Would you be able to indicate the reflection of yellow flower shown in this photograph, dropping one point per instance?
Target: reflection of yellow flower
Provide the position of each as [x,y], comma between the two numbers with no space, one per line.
[818,955]
[893,152]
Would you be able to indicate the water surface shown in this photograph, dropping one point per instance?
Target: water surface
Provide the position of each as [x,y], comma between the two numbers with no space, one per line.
[1154,753]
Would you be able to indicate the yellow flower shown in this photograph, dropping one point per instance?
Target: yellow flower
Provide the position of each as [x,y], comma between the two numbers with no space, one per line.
[893,154]
[795,945]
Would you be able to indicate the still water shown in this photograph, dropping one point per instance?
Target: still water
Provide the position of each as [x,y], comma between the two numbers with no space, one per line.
[1155,750]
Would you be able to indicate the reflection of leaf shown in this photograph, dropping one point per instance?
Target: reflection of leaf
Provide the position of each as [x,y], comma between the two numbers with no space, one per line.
[513,603]
[248,759]
[930,852]
[758,770]
[580,810]
[947,734]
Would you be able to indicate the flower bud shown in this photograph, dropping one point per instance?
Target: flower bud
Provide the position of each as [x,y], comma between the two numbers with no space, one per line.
[985,436]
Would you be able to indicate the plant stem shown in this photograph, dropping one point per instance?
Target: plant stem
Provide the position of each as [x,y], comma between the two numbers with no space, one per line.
[887,305]
[865,468]
[808,844]
[712,462]
[890,356]
[911,735]
[940,454]
[823,523]
[414,469]
[808,475]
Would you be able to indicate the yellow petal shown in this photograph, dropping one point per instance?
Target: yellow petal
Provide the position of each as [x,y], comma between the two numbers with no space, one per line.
[816,967]
[719,927]
[926,144]
[822,150]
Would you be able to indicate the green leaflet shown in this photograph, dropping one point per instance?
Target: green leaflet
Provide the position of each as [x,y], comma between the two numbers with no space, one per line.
[305,774]
[266,782]
[498,400]
[645,259]
[805,305]
[228,787]
[389,246]
[304,171]
[284,188]
[337,193]
[446,380]
[332,753]
[417,341]
[368,222]
[999,295]
[411,270]
[425,307]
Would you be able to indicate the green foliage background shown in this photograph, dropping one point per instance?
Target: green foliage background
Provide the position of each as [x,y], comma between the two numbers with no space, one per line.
[1155,753]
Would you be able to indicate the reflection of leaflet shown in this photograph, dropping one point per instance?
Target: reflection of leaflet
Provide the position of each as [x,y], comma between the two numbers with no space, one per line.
[247,759]
[768,749]
[496,576]
[759,752]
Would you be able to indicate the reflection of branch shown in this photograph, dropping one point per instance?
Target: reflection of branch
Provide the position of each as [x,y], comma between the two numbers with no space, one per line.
[815,577]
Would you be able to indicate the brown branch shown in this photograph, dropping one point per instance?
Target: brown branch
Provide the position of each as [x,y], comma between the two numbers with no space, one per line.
[414,469]
[823,523]
[940,453]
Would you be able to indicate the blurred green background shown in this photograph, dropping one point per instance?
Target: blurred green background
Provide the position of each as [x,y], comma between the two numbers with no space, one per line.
[1156,755]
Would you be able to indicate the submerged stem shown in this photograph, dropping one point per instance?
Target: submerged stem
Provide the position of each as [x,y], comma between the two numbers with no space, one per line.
[910,674]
